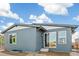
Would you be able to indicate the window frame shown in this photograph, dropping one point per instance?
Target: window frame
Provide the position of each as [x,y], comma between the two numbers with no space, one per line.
[49,39]
[55,38]
[65,40]
[11,40]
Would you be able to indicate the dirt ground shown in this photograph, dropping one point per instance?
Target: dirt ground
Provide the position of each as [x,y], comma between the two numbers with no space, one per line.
[6,53]
[11,53]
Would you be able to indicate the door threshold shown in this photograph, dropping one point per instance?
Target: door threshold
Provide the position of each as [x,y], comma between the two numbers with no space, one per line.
[44,49]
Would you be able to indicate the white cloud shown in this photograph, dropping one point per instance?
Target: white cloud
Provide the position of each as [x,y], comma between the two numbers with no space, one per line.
[12,15]
[75,36]
[9,14]
[5,10]
[32,17]
[56,8]
[76,18]
[7,25]
[21,20]
[40,19]
[4,6]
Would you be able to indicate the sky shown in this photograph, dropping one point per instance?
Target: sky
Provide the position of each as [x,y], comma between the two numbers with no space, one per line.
[58,13]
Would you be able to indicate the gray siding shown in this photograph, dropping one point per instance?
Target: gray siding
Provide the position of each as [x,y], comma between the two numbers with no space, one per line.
[26,40]
[30,39]
[39,40]
[65,47]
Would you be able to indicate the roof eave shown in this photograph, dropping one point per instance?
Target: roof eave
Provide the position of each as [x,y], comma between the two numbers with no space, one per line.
[40,25]
[25,25]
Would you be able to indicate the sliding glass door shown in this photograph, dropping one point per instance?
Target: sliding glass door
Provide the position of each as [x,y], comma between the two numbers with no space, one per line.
[50,39]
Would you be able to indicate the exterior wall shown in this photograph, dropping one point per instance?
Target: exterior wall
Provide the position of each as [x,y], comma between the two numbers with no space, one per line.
[26,40]
[65,47]
[39,40]
[30,39]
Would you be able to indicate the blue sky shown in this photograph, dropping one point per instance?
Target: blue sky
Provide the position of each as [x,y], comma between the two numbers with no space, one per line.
[25,10]
[37,12]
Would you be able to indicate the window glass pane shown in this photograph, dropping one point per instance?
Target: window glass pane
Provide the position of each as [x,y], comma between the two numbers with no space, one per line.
[62,37]
[12,39]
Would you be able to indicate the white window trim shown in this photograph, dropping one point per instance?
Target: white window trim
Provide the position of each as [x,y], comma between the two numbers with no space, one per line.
[15,36]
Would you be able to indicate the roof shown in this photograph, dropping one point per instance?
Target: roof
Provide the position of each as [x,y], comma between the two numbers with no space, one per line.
[51,25]
[24,25]
[41,26]
[57,25]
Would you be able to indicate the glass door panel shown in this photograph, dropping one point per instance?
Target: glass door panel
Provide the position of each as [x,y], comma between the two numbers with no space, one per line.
[52,39]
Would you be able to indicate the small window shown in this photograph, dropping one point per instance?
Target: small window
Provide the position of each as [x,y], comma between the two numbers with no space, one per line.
[62,37]
[12,38]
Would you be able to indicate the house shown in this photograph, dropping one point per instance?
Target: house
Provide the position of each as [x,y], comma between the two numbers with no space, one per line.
[76,43]
[34,37]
